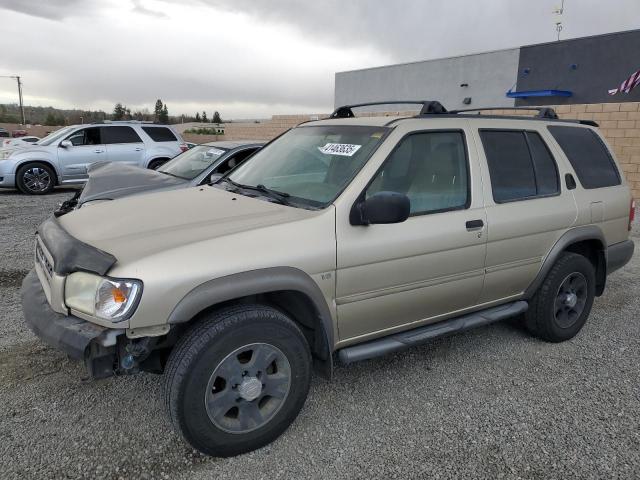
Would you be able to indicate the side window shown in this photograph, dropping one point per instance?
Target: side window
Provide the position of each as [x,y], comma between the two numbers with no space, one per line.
[520,165]
[160,134]
[588,155]
[120,134]
[235,160]
[430,168]
[86,136]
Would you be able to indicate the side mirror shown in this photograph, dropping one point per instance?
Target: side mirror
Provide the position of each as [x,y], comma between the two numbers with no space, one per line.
[214,177]
[382,207]
[66,144]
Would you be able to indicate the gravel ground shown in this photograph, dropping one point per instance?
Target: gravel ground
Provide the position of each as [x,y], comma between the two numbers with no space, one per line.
[491,403]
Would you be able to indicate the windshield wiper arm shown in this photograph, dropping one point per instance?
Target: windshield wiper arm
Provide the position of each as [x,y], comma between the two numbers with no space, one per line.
[280,197]
[172,175]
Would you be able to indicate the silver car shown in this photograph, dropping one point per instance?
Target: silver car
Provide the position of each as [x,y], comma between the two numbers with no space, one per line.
[63,158]
[199,165]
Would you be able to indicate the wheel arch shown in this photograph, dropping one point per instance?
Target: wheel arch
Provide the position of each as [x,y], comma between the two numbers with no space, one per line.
[150,160]
[286,288]
[588,241]
[48,163]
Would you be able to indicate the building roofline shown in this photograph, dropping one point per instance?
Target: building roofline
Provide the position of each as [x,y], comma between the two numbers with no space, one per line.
[621,32]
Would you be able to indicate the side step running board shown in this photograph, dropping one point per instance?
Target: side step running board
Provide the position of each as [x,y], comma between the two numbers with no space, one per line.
[400,341]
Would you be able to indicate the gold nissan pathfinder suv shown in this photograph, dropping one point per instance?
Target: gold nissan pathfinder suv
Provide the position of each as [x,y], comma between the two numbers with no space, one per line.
[341,240]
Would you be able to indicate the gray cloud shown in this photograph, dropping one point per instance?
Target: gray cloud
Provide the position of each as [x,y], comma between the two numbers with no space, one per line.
[257,56]
[50,9]
[139,8]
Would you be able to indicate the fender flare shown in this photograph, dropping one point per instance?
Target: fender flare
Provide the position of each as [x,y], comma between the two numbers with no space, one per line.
[578,234]
[255,282]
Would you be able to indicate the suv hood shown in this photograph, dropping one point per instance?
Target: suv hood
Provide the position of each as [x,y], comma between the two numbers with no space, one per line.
[134,227]
[108,181]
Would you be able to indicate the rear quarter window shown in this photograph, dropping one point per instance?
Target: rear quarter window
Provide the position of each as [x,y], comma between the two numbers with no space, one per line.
[588,155]
[160,134]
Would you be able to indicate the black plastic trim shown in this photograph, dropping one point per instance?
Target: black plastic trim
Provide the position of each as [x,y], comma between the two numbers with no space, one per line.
[575,235]
[417,336]
[619,254]
[70,254]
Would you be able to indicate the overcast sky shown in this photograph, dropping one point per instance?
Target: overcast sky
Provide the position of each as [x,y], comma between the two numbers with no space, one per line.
[249,58]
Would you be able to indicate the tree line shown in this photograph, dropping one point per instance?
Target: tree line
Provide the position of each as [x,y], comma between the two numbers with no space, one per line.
[161,115]
[10,113]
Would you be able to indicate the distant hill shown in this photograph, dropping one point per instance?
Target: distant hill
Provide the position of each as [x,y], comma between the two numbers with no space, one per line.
[10,113]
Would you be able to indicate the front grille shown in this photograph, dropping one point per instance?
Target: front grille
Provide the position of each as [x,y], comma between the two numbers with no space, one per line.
[43,261]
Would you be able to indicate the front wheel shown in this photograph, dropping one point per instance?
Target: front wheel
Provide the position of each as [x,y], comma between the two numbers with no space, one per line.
[562,304]
[237,380]
[35,179]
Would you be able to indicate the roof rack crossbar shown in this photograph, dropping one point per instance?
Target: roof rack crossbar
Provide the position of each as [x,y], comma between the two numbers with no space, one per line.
[428,107]
[543,112]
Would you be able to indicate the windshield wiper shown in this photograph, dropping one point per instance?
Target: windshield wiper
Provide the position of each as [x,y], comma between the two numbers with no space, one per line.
[280,197]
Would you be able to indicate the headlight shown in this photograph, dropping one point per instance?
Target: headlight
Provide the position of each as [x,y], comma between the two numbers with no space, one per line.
[110,299]
[4,154]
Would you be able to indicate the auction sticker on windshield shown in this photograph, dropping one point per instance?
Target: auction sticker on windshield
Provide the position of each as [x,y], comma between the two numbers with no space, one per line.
[343,149]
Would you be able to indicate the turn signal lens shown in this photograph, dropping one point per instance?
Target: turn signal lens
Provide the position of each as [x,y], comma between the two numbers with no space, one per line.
[105,298]
[632,213]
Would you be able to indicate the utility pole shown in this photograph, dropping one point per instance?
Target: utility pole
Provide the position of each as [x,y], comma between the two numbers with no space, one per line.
[17,77]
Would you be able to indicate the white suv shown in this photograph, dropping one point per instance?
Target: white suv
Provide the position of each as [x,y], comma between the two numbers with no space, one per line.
[62,158]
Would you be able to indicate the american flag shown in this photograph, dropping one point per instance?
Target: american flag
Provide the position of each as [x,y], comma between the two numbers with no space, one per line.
[629,84]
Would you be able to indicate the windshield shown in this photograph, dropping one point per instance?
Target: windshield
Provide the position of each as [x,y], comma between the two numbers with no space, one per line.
[193,162]
[52,137]
[311,165]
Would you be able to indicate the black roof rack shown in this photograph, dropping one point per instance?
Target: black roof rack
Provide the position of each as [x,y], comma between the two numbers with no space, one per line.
[543,112]
[428,107]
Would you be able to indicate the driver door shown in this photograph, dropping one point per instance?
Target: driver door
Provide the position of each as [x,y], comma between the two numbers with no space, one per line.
[394,276]
[87,148]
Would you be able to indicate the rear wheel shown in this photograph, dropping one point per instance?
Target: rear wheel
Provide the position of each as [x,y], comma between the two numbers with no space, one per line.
[35,179]
[562,304]
[237,380]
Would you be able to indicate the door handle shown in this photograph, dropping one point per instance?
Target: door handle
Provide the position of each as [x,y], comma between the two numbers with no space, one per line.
[98,151]
[138,149]
[474,224]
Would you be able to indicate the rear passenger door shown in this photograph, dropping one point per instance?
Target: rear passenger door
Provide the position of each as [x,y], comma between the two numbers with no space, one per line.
[123,144]
[527,208]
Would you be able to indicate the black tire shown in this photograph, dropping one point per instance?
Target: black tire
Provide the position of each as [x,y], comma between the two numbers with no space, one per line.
[550,315]
[35,178]
[155,164]
[202,352]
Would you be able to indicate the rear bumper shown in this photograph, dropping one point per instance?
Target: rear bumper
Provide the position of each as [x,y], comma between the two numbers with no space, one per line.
[619,254]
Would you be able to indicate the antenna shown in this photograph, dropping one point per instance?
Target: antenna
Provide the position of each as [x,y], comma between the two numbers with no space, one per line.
[559,11]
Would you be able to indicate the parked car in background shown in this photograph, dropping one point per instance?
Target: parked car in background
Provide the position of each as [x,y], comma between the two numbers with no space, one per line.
[19,133]
[197,166]
[4,133]
[343,239]
[63,157]
[21,142]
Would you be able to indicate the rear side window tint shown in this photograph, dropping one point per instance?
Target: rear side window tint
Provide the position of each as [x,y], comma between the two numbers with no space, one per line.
[520,165]
[160,134]
[545,166]
[588,155]
[120,135]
